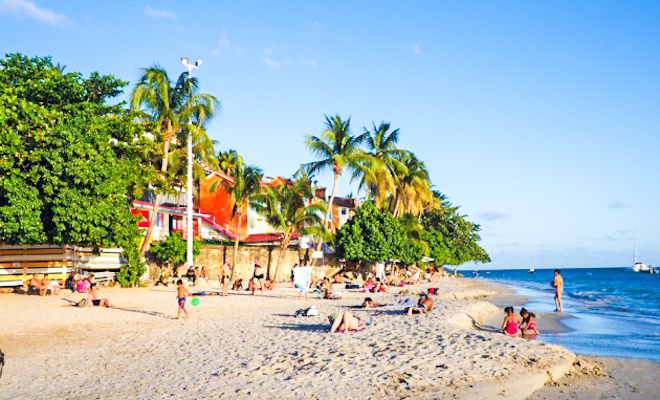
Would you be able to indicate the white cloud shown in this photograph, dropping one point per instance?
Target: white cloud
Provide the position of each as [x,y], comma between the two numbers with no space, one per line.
[617,205]
[416,48]
[308,63]
[153,13]
[492,216]
[269,50]
[27,8]
[318,24]
[271,63]
[223,43]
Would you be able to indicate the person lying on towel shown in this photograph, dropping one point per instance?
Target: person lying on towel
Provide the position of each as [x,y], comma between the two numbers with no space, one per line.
[424,305]
[345,321]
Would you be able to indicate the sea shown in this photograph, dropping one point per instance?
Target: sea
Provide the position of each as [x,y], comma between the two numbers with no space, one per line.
[612,312]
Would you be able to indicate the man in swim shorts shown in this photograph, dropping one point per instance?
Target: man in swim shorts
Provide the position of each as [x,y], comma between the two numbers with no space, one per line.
[558,283]
[258,276]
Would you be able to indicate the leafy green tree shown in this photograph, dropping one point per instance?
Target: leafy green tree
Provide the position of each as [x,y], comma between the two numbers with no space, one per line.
[245,185]
[69,163]
[287,209]
[371,235]
[172,107]
[171,252]
[452,240]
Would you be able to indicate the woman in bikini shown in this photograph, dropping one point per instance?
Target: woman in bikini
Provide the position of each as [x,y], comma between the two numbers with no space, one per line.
[345,322]
[511,323]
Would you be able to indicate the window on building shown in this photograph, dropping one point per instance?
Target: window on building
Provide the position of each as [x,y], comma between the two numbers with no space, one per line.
[343,211]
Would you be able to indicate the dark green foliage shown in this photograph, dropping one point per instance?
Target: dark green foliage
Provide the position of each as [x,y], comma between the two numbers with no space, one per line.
[69,163]
[171,252]
[372,235]
[452,239]
[130,274]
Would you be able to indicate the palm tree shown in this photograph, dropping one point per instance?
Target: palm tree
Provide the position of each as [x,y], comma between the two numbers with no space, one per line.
[376,167]
[413,188]
[245,186]
[171,107]
[337,149]
[203,158]
[285,208]
[227,159]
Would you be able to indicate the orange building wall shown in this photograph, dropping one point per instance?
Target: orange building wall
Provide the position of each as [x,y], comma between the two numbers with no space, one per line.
[218,205]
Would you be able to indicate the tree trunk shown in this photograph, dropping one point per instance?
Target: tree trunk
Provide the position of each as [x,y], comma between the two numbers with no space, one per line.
[236,240]
[154,216]
[327,213]
[283,246]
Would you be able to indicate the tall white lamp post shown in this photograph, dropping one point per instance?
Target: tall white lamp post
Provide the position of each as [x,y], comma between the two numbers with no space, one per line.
[189,192]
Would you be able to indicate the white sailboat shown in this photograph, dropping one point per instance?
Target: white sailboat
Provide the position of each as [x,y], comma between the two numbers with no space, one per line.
[640,266]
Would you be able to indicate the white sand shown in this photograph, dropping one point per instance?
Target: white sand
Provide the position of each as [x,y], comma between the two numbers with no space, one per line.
[247,346]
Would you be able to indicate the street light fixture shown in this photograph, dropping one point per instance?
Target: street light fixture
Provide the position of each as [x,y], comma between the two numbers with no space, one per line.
[189,191]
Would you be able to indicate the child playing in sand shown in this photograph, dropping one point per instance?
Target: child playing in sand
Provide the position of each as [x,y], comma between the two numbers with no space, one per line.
[182,293]
[528,325]
[511,323]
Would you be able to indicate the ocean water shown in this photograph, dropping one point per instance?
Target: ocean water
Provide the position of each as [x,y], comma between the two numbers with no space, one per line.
[610,311]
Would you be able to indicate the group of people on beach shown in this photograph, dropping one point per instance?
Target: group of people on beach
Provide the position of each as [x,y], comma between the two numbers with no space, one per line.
[76,283]
[43,286]
[525,325]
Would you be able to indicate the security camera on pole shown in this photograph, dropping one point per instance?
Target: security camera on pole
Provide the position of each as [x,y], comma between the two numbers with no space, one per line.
[189,191]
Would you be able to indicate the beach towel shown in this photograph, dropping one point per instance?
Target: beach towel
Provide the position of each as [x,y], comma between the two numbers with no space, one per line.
[302,277]
[380,271]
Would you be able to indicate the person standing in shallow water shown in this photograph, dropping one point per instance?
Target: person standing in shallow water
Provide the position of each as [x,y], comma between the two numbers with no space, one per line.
[558,283]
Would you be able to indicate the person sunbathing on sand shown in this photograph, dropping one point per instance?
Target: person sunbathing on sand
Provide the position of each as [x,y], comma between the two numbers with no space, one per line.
[94,297]
[511,323]
[34,284]
[369,303]
[369,285]
[424,305]
[345,322]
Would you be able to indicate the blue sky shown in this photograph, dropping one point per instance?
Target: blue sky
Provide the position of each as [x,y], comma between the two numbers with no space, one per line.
[540,119]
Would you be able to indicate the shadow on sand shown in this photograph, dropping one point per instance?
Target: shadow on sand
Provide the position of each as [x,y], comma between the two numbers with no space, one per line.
[318,328]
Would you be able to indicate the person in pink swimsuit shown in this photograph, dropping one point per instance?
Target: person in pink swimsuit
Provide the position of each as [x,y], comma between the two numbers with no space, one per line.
[511,323]
[528,325]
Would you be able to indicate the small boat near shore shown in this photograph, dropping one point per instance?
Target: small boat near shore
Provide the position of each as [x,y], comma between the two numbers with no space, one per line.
[532,271]
[640,266]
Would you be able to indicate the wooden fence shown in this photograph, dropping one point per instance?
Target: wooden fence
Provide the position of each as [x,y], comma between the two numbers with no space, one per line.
[19,263]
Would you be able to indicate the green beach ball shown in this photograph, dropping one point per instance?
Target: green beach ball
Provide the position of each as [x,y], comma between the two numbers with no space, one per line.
[195,301]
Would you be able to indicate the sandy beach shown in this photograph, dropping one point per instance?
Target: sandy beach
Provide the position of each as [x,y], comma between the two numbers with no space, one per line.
[245,346]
